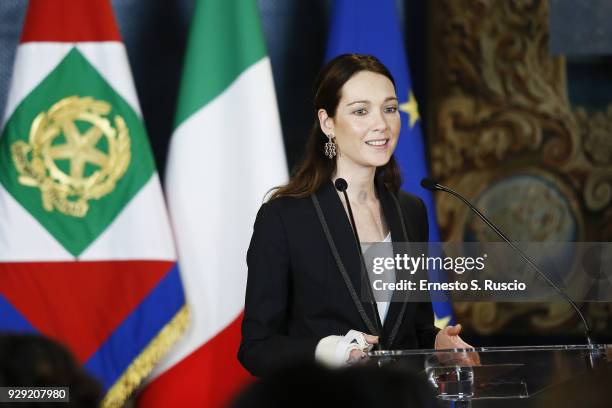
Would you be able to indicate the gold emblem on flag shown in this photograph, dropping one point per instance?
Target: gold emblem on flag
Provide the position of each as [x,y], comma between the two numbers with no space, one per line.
[77,132]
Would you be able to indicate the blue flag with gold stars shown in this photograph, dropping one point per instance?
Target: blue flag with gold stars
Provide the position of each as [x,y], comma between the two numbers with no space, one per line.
[373,27]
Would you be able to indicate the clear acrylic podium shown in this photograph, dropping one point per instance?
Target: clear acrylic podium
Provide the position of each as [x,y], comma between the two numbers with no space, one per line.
[509,376]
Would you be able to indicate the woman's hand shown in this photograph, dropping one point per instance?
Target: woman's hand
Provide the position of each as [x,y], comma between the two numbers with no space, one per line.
[358,354]
[338,351]
[448,338]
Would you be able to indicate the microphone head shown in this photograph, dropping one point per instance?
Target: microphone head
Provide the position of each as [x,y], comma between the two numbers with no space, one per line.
[341,184]
[429,184]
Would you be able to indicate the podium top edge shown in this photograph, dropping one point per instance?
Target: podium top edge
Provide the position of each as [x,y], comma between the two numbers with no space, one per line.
[505,349]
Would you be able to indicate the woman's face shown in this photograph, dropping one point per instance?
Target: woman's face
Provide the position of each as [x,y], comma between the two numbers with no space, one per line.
[367,120]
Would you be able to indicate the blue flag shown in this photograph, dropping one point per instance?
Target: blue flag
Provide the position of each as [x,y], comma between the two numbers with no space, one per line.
[372,27]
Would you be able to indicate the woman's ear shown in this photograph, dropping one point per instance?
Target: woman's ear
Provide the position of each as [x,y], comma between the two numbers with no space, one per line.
[325,122]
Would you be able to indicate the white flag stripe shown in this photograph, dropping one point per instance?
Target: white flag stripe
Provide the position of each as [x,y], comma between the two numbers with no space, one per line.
[111,61]
[234,143]
[146,214]
[22,237]
[33,62]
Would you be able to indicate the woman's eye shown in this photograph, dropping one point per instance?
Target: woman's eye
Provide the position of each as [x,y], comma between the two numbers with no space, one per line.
[391,109]
[360,112]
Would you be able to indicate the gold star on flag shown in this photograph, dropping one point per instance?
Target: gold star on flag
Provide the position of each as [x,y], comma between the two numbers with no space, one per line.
[441,323]
[411,108]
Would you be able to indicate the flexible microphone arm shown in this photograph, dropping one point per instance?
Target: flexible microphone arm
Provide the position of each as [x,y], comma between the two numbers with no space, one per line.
[431,185]
[341,185]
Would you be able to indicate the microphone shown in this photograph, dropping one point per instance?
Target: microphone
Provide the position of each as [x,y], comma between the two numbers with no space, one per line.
[341,185]
[431,185]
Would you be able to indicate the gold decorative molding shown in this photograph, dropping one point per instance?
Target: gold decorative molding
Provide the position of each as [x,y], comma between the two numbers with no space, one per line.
[501,125]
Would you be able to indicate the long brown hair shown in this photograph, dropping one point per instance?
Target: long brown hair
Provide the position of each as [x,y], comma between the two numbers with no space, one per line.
[316,169]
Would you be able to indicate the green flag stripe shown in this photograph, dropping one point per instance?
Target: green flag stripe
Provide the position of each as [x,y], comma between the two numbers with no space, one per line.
[225,39]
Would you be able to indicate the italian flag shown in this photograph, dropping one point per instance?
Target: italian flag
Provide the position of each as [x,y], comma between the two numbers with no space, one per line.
[225,153]
[86,249]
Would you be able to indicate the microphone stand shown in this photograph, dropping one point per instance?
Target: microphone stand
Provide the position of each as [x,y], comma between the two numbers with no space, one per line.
[594,355]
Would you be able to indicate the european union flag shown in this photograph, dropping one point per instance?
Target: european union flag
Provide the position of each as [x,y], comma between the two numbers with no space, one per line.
[372,27]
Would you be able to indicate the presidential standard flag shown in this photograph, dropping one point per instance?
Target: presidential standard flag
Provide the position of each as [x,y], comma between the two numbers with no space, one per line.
[225,153]
[352,32]
[86,252]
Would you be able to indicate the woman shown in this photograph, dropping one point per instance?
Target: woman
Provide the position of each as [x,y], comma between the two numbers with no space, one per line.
[303,260]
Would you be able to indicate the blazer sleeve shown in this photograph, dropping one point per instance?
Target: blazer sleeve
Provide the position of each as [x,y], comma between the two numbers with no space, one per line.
[424,317]
[265,343]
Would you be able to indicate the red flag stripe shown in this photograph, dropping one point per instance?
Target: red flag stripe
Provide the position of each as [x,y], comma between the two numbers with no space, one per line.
[69,21]
[209,377]
[79,303]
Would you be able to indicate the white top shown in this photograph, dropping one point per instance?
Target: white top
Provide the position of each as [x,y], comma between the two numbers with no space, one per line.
[387,276]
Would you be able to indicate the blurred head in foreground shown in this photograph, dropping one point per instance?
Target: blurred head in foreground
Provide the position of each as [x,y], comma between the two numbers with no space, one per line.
[35,361]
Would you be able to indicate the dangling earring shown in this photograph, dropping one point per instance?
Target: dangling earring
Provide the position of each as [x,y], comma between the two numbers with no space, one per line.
[330,147]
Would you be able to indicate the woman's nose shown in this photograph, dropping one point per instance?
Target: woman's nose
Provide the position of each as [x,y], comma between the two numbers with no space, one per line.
[380,122]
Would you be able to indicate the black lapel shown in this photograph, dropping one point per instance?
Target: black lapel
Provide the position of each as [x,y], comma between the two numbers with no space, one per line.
[344,240]
[392,216]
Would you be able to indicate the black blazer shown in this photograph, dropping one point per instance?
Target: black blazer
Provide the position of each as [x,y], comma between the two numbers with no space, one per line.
[296,294]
